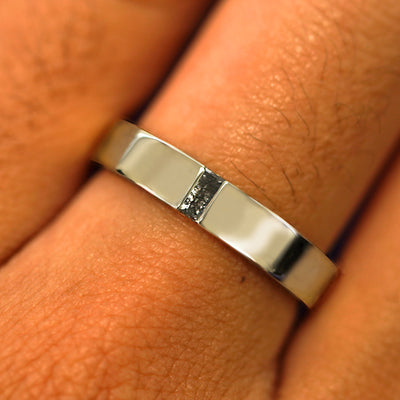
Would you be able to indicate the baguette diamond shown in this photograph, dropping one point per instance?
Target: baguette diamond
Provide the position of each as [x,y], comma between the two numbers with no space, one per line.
[201,193]
[219,207]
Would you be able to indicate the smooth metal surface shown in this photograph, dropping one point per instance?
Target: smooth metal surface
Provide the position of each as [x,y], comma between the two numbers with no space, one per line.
[159,168]
[219,207]
[114,145]
[247,226]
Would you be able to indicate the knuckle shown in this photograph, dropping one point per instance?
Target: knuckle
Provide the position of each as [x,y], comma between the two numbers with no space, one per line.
[116,339]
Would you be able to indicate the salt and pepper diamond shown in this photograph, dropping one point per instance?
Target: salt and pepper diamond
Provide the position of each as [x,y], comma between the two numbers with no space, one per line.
[200,195]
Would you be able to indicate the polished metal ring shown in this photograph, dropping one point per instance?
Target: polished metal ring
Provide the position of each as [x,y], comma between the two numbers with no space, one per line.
[220,208]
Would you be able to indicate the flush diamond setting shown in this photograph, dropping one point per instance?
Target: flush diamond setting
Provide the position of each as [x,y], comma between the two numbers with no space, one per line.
[200,195]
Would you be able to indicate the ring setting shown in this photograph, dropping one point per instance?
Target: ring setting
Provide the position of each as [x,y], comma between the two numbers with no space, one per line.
[220,208]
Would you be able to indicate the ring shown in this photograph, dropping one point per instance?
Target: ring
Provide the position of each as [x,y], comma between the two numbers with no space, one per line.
[220,208]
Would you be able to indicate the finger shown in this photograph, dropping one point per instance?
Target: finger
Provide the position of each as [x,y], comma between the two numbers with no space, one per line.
[288,113]
[68,69]
[163,313]
[168,297]
[350,348]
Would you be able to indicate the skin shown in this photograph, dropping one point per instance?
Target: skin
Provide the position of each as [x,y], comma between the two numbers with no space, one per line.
[116,296]
[69,69]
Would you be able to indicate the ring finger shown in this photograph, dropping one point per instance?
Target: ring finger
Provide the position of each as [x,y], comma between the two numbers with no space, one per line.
[283,113]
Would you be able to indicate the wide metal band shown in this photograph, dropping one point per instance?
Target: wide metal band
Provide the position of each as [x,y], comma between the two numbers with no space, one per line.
[219,207]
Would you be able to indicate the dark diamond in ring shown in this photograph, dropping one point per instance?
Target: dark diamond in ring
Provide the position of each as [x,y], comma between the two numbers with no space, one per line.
[200,195]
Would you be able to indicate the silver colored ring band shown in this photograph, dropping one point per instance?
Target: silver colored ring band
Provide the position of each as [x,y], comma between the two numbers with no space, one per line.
[220,208]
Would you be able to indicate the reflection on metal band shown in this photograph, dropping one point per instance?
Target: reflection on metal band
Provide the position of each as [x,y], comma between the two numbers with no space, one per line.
[219,207]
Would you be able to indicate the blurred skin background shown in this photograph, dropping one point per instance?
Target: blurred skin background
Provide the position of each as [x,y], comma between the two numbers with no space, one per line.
[108,294]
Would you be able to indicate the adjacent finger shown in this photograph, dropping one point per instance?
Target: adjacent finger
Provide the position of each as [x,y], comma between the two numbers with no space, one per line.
[67,70]
[181,314]
[350,348]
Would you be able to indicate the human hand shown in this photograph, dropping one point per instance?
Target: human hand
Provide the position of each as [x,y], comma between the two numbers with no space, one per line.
[115,296]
